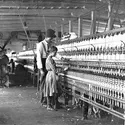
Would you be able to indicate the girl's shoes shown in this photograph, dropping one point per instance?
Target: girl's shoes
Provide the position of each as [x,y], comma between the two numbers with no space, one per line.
[44,105]
[49,108]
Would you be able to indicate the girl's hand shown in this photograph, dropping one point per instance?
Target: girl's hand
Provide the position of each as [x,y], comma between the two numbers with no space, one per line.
[65,59]
[66,68]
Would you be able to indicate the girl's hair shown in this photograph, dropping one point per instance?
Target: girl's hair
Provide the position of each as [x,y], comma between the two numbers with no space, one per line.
[53,49]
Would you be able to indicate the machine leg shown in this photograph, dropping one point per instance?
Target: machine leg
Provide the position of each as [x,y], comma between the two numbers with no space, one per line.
[85,107]
[35,78]
[124,113]
[66,99]
[73,96]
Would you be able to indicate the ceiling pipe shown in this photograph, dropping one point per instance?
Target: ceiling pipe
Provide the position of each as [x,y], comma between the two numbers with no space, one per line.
[27,7]
[51,7]
[9,7]
[60,7]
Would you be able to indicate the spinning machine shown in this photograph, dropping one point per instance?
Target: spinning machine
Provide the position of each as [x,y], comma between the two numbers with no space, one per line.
[97,70]
[96,73]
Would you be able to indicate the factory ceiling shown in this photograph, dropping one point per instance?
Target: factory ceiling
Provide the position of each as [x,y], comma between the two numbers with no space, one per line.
[39,15]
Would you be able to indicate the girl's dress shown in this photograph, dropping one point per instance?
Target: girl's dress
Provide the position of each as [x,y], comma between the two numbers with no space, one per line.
[51,86]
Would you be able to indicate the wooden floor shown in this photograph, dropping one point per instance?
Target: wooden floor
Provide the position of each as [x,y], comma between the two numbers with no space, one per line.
[20,106]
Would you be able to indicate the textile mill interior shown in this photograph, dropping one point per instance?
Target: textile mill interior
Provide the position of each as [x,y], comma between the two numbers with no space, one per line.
[90,36]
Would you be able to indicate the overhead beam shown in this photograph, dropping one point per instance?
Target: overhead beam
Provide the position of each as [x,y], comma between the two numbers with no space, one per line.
[55,4]
[33,11]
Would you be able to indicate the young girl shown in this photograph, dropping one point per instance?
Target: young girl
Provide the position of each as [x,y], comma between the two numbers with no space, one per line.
[51,85]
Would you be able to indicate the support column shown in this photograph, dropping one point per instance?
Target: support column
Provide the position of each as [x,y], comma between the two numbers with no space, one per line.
[79,27]
[59,35]
[124,113]
[93,22]
[56,33]
[110,19]
[28,45]
[62,29]
[24,46]
[70,26]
